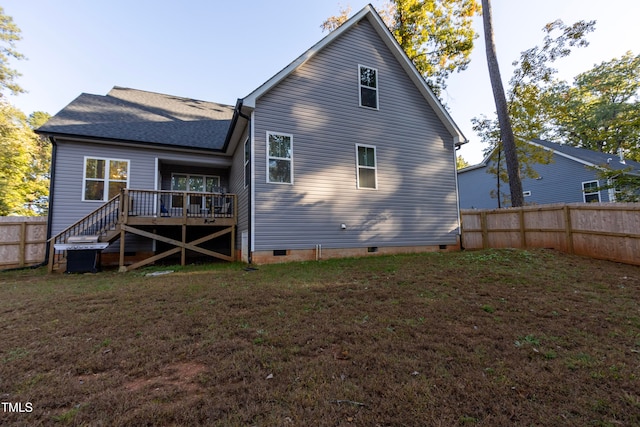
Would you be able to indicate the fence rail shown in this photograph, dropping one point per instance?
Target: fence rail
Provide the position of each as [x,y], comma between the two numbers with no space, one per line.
[603,231]
[22,241]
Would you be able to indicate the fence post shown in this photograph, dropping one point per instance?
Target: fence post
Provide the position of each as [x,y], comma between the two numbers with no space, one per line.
[523,232]
[485,231]
[568,229]
[23,244]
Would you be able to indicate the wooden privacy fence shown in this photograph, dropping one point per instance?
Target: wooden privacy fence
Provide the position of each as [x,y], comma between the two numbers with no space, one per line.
[22,241]
[604,231]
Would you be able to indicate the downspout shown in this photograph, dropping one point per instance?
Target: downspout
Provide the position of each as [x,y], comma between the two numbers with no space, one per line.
[456,147]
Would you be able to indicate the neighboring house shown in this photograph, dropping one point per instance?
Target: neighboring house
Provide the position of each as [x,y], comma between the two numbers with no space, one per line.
[571,176]
[344,152]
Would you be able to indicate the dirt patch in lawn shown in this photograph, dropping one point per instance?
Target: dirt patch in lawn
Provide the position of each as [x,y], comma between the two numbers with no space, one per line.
[180,375]
[481,338]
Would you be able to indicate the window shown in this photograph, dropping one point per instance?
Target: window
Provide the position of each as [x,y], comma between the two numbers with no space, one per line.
[104,178]
[366,163]
[619,192]
[279,158]
[368,87]
[193,184]
[526,193]
[590,190]
[247,163]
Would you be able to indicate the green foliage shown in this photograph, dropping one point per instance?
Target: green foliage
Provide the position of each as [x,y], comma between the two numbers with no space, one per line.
[24,157]
[528,155]
[24,164]
[624,184]
[437,35]
[529,113]
[461,162]
[9,34]
[333,22]
[601,110]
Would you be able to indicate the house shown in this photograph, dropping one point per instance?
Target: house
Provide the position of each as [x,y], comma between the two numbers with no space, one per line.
[572,176]
[344,152]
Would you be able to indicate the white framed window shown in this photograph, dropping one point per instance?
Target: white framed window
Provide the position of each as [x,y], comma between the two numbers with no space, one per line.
[279,158]
[526,193]
[590,191]
[193,184]
[367,166]
[104,178]
[247,163]
[616,193]
[368,81]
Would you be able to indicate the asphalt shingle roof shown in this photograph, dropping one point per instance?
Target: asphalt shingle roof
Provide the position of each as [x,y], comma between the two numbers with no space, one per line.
[594,157]
[144,117]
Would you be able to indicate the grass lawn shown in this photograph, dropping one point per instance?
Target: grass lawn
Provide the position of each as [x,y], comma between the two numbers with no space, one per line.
[484,338]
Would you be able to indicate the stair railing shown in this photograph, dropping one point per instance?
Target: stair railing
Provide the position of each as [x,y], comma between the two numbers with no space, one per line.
[98,223]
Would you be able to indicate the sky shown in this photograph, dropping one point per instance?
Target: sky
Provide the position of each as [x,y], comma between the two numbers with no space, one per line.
[215,50]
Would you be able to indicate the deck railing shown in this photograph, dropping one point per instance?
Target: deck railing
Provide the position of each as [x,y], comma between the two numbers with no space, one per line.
[103,223]
[98,223]
[160,203]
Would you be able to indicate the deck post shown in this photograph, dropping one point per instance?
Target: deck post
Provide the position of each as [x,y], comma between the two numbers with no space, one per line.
[183,252]
[122,268]
[52,254]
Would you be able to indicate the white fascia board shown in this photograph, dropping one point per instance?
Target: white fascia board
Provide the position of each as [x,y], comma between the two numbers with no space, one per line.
[566,156]
[250,100]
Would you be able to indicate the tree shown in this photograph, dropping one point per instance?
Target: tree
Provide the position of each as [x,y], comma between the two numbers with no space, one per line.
[624,183]
[333,22]
[437,35]
[38,179]
[506,132]
[19,185]
[528,102]
[461,162]
[528,156]
[24,157]
[9,34]
[601,110]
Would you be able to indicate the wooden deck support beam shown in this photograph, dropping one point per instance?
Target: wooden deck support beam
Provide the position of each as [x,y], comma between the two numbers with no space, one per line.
[181,246]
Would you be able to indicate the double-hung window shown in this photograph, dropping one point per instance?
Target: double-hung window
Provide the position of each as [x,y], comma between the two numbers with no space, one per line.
[367,166]
[279,158]
[590,191]
[368,87]
[104,178]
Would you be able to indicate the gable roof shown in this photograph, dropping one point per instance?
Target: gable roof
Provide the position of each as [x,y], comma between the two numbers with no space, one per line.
[588,157]
[369,13]
[581,155]
[137,116]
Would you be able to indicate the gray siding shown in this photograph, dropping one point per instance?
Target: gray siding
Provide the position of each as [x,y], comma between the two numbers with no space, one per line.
[560,182]
[236,181]
[415,203]
[68,207]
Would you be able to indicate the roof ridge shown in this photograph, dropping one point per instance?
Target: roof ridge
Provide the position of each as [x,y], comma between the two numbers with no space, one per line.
[188,98]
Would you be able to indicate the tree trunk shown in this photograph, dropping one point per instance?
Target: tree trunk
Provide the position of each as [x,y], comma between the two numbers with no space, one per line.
[506,132]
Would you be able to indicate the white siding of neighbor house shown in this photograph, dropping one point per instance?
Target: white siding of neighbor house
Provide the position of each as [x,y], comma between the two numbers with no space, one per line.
[416,200]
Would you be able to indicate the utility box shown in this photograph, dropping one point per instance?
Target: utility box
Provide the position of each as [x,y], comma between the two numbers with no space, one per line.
[82,253]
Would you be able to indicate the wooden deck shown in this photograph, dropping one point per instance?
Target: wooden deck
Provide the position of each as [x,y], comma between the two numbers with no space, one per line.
[150,214]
